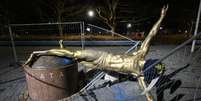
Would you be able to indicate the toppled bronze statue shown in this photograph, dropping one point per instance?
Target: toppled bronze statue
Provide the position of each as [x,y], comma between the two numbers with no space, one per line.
[103,60]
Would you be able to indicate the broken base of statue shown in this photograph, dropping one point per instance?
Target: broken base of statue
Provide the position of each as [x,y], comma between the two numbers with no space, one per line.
[93,85]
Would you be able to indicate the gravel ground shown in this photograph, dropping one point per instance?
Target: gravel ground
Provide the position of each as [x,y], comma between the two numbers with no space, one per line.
[12,79]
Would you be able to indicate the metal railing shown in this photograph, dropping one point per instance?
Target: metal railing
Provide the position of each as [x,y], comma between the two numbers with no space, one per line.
[74,31]
[95,30]
[44,31]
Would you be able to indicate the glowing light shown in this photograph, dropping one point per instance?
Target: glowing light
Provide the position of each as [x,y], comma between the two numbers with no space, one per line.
[88,29]
[161,28]
[91,13]
[129,25]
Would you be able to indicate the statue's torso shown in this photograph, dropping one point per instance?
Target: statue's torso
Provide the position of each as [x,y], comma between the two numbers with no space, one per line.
[120,63]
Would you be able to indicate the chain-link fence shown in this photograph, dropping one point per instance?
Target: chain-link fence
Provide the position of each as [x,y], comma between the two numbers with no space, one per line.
[47,31]
[73,33]
[107,37]
[45,34]
[188,79]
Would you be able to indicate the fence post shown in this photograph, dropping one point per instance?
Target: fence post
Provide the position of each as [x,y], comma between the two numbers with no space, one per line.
[196,28]
[13,44]
[82,35]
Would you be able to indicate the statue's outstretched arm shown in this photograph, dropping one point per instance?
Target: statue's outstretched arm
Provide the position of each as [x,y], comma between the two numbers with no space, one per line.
[146,43]
[100,59]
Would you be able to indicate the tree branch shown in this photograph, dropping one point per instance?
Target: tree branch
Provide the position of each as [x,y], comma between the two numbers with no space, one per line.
[99,14]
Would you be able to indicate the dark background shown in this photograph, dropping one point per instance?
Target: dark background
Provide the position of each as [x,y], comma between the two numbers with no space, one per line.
[181,14]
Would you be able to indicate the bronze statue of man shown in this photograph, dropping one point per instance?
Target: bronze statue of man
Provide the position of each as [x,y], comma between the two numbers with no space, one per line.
[116,62]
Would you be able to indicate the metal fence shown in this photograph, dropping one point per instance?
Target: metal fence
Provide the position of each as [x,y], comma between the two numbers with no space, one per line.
[89,33]
[73,33]
[46,31]
[102,35]
[41,33]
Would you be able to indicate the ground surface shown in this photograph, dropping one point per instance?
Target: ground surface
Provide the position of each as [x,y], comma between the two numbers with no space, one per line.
[12,79]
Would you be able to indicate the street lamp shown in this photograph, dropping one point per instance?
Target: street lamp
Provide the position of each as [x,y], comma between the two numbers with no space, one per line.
[88,29]
[129,25]
[90,13]
[161,28]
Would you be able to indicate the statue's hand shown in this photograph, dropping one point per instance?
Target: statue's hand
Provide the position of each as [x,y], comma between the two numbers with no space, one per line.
[57,52]
[34,55]
[164,10]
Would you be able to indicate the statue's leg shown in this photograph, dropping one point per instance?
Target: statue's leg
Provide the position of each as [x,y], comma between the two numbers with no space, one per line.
[143,86]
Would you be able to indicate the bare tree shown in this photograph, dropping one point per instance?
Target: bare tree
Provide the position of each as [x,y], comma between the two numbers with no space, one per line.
[107,13]
[57,6]
[62,9]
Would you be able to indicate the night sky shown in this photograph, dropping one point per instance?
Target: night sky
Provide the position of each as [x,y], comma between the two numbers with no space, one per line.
[181,13]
